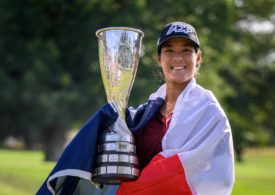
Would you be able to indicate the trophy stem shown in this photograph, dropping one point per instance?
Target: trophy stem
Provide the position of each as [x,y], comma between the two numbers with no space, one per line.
[119,108]
[119,127]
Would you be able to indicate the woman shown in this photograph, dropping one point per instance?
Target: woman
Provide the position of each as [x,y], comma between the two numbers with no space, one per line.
[183,137]
[189,140]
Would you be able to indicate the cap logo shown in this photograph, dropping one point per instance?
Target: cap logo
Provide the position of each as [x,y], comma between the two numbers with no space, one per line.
[176,28]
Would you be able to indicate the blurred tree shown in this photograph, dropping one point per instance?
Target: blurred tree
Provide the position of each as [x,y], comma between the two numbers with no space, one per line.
[49,63]
[46,50]
[249,75]
[251,108]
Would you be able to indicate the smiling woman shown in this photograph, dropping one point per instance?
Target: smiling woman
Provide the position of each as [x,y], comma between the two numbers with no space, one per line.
[188,138]
[179,59]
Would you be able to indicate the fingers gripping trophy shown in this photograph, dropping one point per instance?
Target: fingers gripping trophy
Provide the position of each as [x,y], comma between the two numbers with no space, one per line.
[119,49]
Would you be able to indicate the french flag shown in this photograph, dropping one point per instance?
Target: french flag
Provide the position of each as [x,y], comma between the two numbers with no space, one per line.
[197,156]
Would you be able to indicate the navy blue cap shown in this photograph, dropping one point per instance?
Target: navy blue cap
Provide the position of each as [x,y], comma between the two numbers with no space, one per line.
[178,29]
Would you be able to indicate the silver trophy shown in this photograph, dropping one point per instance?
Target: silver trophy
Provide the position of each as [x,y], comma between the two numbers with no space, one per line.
[119,49]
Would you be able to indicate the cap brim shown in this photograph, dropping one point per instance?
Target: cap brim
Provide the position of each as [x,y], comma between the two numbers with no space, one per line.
[177,36]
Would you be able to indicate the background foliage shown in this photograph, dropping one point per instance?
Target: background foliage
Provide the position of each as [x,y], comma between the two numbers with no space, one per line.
[49,73]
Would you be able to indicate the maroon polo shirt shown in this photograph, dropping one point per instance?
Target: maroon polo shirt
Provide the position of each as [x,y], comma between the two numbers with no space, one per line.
[148,140]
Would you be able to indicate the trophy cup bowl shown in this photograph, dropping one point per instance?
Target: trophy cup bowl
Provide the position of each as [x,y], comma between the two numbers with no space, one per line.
[119,49]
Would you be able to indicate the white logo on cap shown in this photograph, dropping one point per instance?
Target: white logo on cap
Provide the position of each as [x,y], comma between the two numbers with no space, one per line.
[179,28]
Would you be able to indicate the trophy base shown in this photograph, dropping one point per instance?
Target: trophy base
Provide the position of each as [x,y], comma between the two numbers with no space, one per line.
[115,173]
[116,159]
[113,179]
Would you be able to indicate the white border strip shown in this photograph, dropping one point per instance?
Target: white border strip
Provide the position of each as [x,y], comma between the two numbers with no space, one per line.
[68,172]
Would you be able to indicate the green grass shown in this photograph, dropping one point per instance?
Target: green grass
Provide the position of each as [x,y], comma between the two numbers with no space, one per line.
[256,175]
[23,172]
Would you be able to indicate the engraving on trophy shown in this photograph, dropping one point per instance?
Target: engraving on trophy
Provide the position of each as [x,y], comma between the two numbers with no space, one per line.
[124,170]
[113,158]
[124,158]
[125,54]
[117,146]
[104,157]
[102,170]
[111,169]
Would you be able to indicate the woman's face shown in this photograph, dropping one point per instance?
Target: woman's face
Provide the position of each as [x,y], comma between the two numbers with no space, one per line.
[178,60]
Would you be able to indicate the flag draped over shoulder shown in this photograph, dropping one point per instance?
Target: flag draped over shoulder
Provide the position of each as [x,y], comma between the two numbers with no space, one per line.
[77,159]
[197,156]
[73,171]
